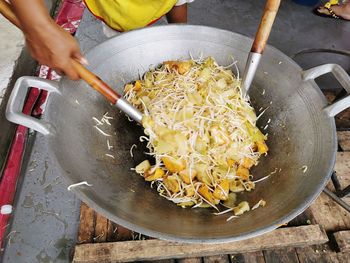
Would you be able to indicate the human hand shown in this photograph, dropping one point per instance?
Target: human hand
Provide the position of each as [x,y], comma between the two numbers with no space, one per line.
[53,46]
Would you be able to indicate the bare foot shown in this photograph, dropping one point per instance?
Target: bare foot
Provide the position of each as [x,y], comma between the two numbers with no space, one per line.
[342,11]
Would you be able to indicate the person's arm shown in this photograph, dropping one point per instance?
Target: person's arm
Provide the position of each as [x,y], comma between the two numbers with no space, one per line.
[178,14]
[48,43]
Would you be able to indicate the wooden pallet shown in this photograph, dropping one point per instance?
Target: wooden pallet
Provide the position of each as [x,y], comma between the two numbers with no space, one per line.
[320,234]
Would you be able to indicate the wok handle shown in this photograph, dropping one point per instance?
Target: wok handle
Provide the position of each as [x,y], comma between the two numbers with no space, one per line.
[17,99]
[340,74]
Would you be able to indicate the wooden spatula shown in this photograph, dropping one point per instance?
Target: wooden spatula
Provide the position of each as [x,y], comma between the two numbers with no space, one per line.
[259,43]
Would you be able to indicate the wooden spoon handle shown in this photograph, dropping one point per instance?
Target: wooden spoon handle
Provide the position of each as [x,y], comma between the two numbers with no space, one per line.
[265,26]
[94,81]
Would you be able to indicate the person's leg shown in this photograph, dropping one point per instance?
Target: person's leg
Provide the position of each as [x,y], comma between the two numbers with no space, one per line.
[342,11]
[178,14]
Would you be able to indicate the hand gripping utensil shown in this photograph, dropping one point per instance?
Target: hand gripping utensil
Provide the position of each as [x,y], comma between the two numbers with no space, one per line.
[90,78]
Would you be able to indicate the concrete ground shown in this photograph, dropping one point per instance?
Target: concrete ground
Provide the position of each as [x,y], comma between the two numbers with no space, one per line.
[46,215]
[13,44]
[14,62]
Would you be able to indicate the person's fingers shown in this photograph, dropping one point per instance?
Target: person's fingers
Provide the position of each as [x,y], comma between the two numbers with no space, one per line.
[79,57]
[323,10]
[68,67]
[70,71]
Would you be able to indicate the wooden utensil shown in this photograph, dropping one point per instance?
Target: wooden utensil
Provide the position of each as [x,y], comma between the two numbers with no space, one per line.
[259,43]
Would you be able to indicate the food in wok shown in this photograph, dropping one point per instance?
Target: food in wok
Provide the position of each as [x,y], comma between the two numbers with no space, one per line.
[201,132]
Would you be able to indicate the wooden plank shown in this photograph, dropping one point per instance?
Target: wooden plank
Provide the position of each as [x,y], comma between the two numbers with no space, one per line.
[331,257]
[342,168]
[124,233]
[343,119]
[101,229]
[343,257]
[217,259]
[87,224]
[329,214]
[238,258]
[189,260]
[158,261]
[312,255]
[343,240]
[111,231]
[305,218]
[158,249]
[250,257]
[161,261]
[118,233]
[287,255]
[307,255]
[254,257]
[344,140]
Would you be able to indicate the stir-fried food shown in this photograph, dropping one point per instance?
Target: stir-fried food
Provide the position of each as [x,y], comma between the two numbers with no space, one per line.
[201,132]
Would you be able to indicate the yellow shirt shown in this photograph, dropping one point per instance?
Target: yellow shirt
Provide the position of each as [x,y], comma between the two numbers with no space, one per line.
[124,15]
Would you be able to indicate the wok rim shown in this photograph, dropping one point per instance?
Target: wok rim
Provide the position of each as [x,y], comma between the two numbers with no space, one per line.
[245,235]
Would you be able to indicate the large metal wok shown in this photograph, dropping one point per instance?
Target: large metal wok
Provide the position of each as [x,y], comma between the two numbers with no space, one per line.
[301,134]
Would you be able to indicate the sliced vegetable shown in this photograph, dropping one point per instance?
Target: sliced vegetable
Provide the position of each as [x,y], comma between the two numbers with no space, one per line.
[230,162]
[128,87]
[159,173]
[262,147]
[218,136]
[143,167]
[190,191]
[172,184]
[187,175]
[186,204]
[261,203]
[248,162]
[241,208]
[236,186]
[221,83]
[221,191]
[243,172]
[180,66]
[206,194]
[255,133]
[137,86]
[202,174]
[173,165]
[231,200]
[204,75]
